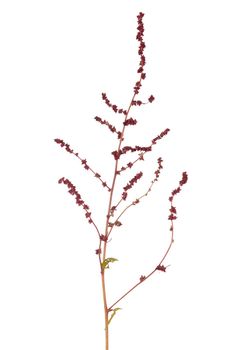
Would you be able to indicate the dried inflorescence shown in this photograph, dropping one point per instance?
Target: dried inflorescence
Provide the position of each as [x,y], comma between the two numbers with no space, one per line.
[78,198]
[110,126]
[172,209]
[141,48]
[113,106]
[130,184]
[144,150]
[130,121]
[83,161]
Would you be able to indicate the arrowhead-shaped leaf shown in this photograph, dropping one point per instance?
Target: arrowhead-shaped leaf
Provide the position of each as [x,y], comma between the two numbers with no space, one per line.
[105,263]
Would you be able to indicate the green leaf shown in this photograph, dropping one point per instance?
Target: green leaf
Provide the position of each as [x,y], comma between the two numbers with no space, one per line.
[113,313]
[105,263]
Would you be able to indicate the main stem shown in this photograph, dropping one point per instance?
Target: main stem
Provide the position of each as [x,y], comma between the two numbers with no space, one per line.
[106,310]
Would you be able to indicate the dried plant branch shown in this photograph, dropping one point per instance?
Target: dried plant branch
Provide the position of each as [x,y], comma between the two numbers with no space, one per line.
[141,155]
[83,161]
[110,221]
[110,126]
[159,267]
[114,107]
[138,199]
[79,201]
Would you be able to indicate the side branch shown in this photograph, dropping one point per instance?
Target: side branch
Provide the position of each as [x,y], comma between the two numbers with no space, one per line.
[114,107]
[137,200]
[79,201]
[110,126]
[140,103]
[141,155]
[160,267]
[83,161]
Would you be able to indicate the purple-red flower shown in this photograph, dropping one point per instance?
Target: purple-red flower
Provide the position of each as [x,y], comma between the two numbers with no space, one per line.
[130,121]
[83,161]
[142,278]
[172,209]
[130,184]
[160,136]
[151,99]
[161,268]
[184,179]
[73,191]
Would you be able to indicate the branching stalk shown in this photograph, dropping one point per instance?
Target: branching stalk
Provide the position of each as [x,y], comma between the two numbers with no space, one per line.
[127,121]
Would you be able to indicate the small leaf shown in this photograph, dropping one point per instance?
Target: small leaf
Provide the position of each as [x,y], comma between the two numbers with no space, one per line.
[118,223]
[113,313]
[105,263]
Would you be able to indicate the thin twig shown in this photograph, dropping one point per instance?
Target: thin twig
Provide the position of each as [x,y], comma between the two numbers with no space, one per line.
[137,200]
[171,217]
[157,268]
[83,161]
[141,155]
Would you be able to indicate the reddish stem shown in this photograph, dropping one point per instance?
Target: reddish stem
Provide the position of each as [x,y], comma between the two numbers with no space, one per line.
[151,273]
[106,309]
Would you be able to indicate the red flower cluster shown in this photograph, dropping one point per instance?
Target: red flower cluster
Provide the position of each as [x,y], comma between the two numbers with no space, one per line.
[104,238]
[161,268]
[142,45]
[83,161]
[151,98]
[63,144]
[182,182]
[137,103]
[110,126]
[172,216]
[184,179]
[172,209]
[126,149]
[140,157]
[137,87]
[130,121]
[163,133]
[114,107]
[131,184]
[157,172]
[141,48]
[142,278]
[79,200]
[136,148]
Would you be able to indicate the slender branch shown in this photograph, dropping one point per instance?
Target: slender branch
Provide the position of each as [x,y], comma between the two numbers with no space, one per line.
[116,169]
[83,161]
[79,201]
[171,217]
[137,200]
[143,278]
[141,155]
[110,126]
[126,208]
[96,228]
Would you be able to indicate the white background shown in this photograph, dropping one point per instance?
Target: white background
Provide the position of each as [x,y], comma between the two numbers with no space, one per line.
[57,57]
